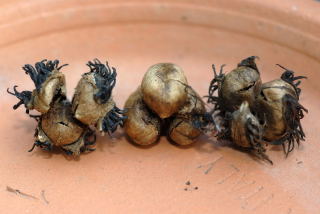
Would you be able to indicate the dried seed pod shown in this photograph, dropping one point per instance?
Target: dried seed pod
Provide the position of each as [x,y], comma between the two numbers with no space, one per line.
[278,106]
[49,82]
[163,89]
[187,124]
[246,131]
[61,123]
[239,85]
[141,125]
[92,103]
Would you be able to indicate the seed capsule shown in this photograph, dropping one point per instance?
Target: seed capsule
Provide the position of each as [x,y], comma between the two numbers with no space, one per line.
[187,123]
[163,89]
[142,125]
[278,106]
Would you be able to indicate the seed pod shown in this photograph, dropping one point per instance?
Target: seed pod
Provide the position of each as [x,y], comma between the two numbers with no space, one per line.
[246,131]
[49,82]
[141,125]
[163,89]
[239,85]
[92,99]
[278,106]
[187,123]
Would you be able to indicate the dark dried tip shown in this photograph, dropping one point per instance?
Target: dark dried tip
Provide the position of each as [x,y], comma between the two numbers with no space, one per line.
[113,119]
[202,121]
[41,71]
[288,76]
[249,62]
[43,145]
[24,96]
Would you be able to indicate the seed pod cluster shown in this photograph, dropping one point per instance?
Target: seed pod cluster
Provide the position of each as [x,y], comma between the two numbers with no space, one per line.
[252,114]
[66,124]
[164,104]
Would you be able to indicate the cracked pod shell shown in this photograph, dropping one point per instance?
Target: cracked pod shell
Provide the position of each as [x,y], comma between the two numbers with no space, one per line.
[186,124]
[142,125]
[42,97]
[59,125]
[239,85]
[163,89]
[85,107]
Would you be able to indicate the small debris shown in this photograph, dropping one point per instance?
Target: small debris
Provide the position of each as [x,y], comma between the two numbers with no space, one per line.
[18,192]
[299,162]
[188,183]
[196,188]
[44,197]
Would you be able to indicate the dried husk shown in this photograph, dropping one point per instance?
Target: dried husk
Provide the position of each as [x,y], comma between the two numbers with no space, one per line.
[163,89]
[54,84]
[85,107]
[142,125]
[186,124]
[59,125]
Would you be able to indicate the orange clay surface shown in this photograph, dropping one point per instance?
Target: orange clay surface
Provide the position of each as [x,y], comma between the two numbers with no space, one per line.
[122,178]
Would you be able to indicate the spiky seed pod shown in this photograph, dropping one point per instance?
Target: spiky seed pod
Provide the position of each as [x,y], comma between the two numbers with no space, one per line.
[186,125]
[141,125]
[163,89]
[246,131]
[278,106]
[49,82]
[92,103]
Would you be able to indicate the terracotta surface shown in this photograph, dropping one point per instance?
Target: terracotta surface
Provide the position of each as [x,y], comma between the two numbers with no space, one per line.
[121,178]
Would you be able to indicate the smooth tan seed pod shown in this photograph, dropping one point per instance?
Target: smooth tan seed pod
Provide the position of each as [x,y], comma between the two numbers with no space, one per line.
[163,89]
[186,124]
[142,125]
[278,107]
[246,131]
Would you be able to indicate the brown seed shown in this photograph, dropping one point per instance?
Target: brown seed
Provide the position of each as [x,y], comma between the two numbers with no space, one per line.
[163,89]
[142,125]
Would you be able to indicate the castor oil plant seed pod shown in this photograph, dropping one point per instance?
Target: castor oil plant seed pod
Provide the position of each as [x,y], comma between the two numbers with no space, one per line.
[188,123]
[142,125]
[163,89]
[246,131]
[279,108]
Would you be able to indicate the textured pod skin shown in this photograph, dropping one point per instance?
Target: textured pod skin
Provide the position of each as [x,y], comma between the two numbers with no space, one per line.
[86,109]
[142,125]
[246,131]
[163,89]
[271,106]
[186,124]
[59,124]
[239,85]
[54,84]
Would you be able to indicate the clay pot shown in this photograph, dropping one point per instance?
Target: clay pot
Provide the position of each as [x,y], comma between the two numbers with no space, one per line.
[133,36]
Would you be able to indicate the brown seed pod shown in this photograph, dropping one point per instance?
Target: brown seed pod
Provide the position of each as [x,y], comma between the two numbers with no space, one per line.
[278,106]
[239,85]
[92,99]
[141,125]
[57,125]
[186,125]
[163,89]
[246,131]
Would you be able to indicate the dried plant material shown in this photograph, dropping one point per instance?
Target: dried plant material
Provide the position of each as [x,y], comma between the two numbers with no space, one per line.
[278,106]
[187,123]
[64,124]
[246,131]
[162,89]
[165,104]
[142,125]
[269,113]
[18,192]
